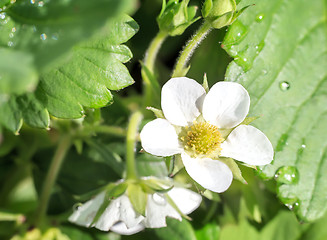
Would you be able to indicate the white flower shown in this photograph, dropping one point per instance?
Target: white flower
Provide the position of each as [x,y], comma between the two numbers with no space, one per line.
[120,216]
[195,126]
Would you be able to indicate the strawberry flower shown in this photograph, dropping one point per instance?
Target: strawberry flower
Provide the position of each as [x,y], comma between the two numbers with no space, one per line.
[120,216]
[206,128]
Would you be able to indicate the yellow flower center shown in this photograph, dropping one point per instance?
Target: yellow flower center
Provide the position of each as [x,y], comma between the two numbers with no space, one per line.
[201,139]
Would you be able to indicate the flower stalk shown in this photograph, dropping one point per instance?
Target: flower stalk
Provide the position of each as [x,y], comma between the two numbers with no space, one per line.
[151,86]
[180,69]
[58,158]
[131,138]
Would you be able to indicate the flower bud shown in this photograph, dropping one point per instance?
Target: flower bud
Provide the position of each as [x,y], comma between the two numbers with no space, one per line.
[220,13]
[176,16]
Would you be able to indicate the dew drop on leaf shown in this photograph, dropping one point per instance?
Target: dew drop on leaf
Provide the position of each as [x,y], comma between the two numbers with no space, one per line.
[287,175]
[40,4]
[259,17]
[284,86]
[43,36]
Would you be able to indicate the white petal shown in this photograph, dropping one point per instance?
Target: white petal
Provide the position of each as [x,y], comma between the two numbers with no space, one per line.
[186,200]
[119,209]
[85,214]
[226,104]
[248,144]
[121,229]
[181,100]
[210,174]
[157,210]
[159,138]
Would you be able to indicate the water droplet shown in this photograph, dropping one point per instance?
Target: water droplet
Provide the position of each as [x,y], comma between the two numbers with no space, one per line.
[13,29]
[43,36]
[11,35]
[259,17]
[10,44]
[77,206]
[259,47]
[287,175]
[303,146]
[2,15]
[12,1]
[40,4]
[158,199]
[32,1]
[261,174]
[245,59]
[235,33]
[55,36]
[264,71]
[284,86]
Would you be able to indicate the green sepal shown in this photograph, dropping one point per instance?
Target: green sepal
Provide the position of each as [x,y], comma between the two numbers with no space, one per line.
[137,197]
[205,83]
[117,190]
[157,112]
[248,120]
[170,163]
[206,8]
[102,208]
[182,72]
[232,165]
[153,184]
[78,143]
[223,20]
[176,16]
[213,196]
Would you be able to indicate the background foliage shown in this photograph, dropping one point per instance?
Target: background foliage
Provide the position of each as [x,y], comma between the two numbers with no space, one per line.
[62,64]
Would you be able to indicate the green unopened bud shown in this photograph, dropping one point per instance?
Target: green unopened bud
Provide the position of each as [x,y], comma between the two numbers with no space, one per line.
[176,16]
[220,13]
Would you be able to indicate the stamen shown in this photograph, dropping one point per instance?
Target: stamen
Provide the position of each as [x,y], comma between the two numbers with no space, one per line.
[201,139]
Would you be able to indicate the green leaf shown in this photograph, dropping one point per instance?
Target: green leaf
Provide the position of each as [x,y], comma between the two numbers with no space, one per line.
[17,73]
[278,49]
[47,29]
[95,67]
[283,227]
[210,231]
[176,230]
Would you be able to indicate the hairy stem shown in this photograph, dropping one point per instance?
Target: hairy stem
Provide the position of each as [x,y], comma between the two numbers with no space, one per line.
[151,86]
[132,135]
[180,69]
[58,158]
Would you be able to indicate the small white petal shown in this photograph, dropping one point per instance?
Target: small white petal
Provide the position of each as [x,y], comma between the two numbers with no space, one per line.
[181,100]
[186,200]
[85,214]
[226,104]
[121,229]
[157,210]
[210,174]
[159,138]
[120,209]
[248,144]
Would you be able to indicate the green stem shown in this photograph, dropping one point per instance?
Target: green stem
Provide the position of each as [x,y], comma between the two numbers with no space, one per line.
[58,158]
[131,139]
[180,67]
[112,130]
[150,84]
